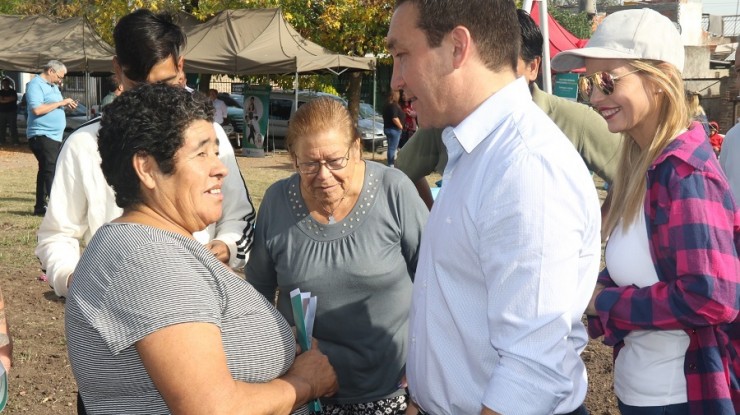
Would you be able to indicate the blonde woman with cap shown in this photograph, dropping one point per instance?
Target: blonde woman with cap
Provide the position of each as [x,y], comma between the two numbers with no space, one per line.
[668,297]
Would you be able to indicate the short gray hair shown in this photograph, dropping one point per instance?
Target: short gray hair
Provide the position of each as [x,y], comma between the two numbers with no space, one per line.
[56,65]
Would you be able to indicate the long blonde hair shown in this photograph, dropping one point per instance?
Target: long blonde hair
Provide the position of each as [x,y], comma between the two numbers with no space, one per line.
[694,105]
[628,189]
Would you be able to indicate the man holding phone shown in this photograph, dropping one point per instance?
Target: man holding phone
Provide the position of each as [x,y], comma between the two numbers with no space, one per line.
[46,123]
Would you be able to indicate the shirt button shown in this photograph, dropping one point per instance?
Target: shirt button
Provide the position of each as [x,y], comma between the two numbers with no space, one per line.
[692,366]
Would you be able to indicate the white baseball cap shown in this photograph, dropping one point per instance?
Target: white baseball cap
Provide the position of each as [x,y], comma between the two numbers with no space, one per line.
[628,34]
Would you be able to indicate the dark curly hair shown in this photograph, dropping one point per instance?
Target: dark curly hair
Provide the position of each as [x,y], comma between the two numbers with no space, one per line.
[150,119]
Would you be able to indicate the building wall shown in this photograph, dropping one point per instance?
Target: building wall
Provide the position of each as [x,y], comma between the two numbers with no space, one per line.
[715,86]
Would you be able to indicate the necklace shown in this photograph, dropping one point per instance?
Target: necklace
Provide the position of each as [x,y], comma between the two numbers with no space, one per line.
[332,219]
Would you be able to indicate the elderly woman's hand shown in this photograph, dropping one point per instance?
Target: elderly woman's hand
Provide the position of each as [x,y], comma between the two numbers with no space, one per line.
[220,250]
[312,375]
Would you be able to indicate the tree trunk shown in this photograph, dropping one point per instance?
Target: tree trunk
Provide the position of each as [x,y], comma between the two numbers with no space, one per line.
[353,94]
[190,6]
[205,83]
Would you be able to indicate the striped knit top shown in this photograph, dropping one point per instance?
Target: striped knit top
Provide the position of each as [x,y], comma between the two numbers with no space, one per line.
[133,280]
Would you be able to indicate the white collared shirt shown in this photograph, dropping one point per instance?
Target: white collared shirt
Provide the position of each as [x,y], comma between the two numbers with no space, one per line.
[729,159]
[508,262]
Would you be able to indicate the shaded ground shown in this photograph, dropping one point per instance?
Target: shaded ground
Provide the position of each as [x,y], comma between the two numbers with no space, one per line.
[41,381]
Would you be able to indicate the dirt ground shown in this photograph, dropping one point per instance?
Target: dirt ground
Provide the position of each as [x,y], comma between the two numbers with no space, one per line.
[41,381]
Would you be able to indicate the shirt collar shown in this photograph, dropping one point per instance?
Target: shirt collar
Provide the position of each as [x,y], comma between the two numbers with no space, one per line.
[490,114]
[46,81]
[691,146]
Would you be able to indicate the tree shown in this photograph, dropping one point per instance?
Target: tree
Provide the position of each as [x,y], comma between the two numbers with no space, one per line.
[351,27]
[577,23]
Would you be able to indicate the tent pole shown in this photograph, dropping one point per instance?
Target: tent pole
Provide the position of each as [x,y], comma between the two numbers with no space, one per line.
[295,91]
[527,6]
[375,92]
[88,112]
[546,72]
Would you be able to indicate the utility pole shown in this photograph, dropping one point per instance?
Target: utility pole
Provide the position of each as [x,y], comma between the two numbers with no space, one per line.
[588,6]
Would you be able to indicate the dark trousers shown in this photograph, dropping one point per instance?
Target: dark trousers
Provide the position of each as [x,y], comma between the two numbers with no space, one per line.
[46,152]
[675,409]
[8,120]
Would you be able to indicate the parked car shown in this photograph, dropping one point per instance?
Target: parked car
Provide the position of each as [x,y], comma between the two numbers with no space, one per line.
[281,109]
[370,120]
[235,110]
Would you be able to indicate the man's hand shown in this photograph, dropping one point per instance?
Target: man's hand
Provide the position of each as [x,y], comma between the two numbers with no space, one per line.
[69,102]
[219,250]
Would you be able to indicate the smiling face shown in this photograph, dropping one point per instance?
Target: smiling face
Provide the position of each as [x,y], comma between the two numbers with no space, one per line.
[633,107]
[419,70]
[191,196]
[326,187]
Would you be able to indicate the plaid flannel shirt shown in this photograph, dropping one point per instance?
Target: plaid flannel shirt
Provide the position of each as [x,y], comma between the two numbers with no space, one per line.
[693,226]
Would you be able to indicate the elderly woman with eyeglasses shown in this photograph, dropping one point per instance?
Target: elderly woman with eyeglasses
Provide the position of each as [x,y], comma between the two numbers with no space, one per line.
[668,298]
[348,231]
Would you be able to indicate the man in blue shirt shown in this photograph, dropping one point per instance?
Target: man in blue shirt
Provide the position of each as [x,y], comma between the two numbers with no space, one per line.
[46,122]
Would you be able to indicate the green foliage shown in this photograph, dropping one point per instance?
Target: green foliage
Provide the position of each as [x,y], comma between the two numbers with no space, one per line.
[351,27]
[321,83]
[577,23]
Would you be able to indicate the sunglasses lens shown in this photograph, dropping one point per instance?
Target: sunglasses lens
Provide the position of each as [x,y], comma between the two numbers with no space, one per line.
[585,86]
[606,82]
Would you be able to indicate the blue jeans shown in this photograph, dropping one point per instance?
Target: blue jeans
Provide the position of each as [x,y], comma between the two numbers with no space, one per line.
[394,137]
[675,409]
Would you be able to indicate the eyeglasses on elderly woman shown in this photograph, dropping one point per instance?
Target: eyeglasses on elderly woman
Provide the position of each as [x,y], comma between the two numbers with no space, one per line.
[313,167]
[602,80]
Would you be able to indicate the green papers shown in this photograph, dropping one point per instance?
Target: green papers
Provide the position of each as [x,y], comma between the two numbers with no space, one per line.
[304,313]
[3,388]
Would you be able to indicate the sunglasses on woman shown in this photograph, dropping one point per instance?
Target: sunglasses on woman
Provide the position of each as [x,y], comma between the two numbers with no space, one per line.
[602,80]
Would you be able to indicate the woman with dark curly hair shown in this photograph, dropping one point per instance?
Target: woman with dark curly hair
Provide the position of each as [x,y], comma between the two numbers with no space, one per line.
[154,322]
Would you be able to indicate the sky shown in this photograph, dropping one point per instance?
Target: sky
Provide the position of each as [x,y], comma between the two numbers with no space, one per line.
[721,7]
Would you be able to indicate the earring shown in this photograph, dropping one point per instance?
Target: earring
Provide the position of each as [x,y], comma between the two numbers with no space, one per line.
[660,91]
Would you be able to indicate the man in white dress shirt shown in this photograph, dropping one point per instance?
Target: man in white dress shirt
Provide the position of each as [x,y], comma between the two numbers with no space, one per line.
[221,110]
[510,253]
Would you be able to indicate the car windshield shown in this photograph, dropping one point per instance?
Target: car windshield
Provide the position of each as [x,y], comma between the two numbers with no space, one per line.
[231,100]
[367,111]
[239,99]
